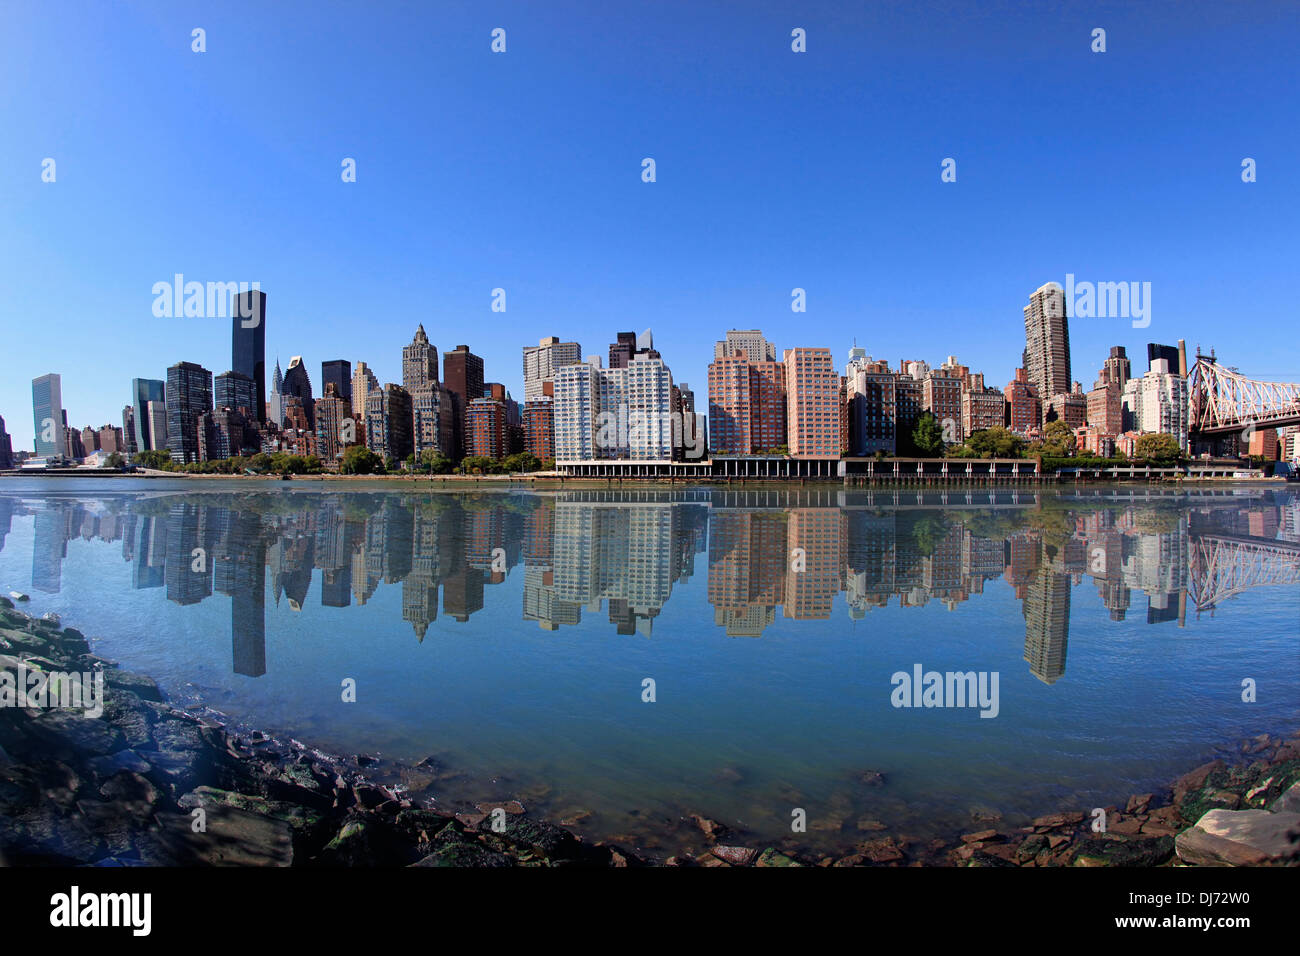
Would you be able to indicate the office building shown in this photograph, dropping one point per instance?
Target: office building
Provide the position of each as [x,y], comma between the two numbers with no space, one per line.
[1047,342]
[144,391]
[419,362]
[189,395]
[337,372]
[48,416]
[248,344]
[541,361]
[812,403]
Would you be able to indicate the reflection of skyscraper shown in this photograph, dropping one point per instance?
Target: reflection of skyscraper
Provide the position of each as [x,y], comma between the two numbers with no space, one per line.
[150,558]
[188,574]
[813,579]
[747,568]
[50,547]
[1047,624]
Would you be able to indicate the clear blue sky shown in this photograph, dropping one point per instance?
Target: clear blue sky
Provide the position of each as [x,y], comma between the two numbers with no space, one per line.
[523,170]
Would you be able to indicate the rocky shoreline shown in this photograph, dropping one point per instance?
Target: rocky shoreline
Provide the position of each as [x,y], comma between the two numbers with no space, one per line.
[152,784]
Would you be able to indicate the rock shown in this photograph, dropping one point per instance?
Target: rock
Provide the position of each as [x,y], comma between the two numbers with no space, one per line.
[142,687]
[1256,745]
[65,731]
[576,817]
[773,857]
[712,829]
[19,596]
[1139,803]
[980,836]
[985,815]
[735,855]
[981,858]
[869,825]
[1240,838]
[233,838]
[551,843]
[465,855]
[512,807]
[471,820]
[728,775]
[1195,779]
[872,778]
[1055,821]
[1124,825]
[1289,802]
[1031,847]
[884,850]
[105,767]
[1115,851]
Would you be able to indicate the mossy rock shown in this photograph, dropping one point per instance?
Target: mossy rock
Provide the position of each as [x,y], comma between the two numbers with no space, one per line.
[1143,851]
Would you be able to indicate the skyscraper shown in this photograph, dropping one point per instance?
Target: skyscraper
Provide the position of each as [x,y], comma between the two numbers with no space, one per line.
[248,344]
[48,416]
[337,372]
[462,375]
[156,417]
[1047,342]
[748,343]
[297,382]
[389,422]
[812,403]
[189,395]
[236,391]
[129,440]
[541,361]
[6,454]
[144,391]
[747,396]
[419,362]
[363,381]
[275,406]
[332,411]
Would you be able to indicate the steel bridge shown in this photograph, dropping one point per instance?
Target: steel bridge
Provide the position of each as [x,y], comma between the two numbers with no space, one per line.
[1223,566]
[1224,401]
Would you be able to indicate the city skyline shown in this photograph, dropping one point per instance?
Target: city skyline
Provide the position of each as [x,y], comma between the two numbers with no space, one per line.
[817,171]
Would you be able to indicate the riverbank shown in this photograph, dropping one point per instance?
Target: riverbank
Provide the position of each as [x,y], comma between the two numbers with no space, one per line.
[154,784]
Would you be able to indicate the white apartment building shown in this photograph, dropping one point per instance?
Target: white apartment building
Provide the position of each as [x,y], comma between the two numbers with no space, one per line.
[1158,402]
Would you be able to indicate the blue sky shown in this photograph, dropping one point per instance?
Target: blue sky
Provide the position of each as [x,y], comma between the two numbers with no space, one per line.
[522,170]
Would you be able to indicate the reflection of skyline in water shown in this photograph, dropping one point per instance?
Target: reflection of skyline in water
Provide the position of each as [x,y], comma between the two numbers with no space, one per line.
[621,553]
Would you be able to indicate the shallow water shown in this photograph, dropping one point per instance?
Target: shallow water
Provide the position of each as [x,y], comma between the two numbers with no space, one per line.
[509,634]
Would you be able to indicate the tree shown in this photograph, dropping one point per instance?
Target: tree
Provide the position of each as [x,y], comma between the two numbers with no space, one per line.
[261,462]
[927,437]
[159,459]
[360,460]
[1157,446]
[996,442]
[522,461]
[477,465]
[114,460]
[1058,439]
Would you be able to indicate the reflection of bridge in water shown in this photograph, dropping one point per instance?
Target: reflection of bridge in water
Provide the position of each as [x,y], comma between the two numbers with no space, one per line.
[1223,566]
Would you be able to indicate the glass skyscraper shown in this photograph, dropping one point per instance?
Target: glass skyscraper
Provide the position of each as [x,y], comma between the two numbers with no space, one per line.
[47,415]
